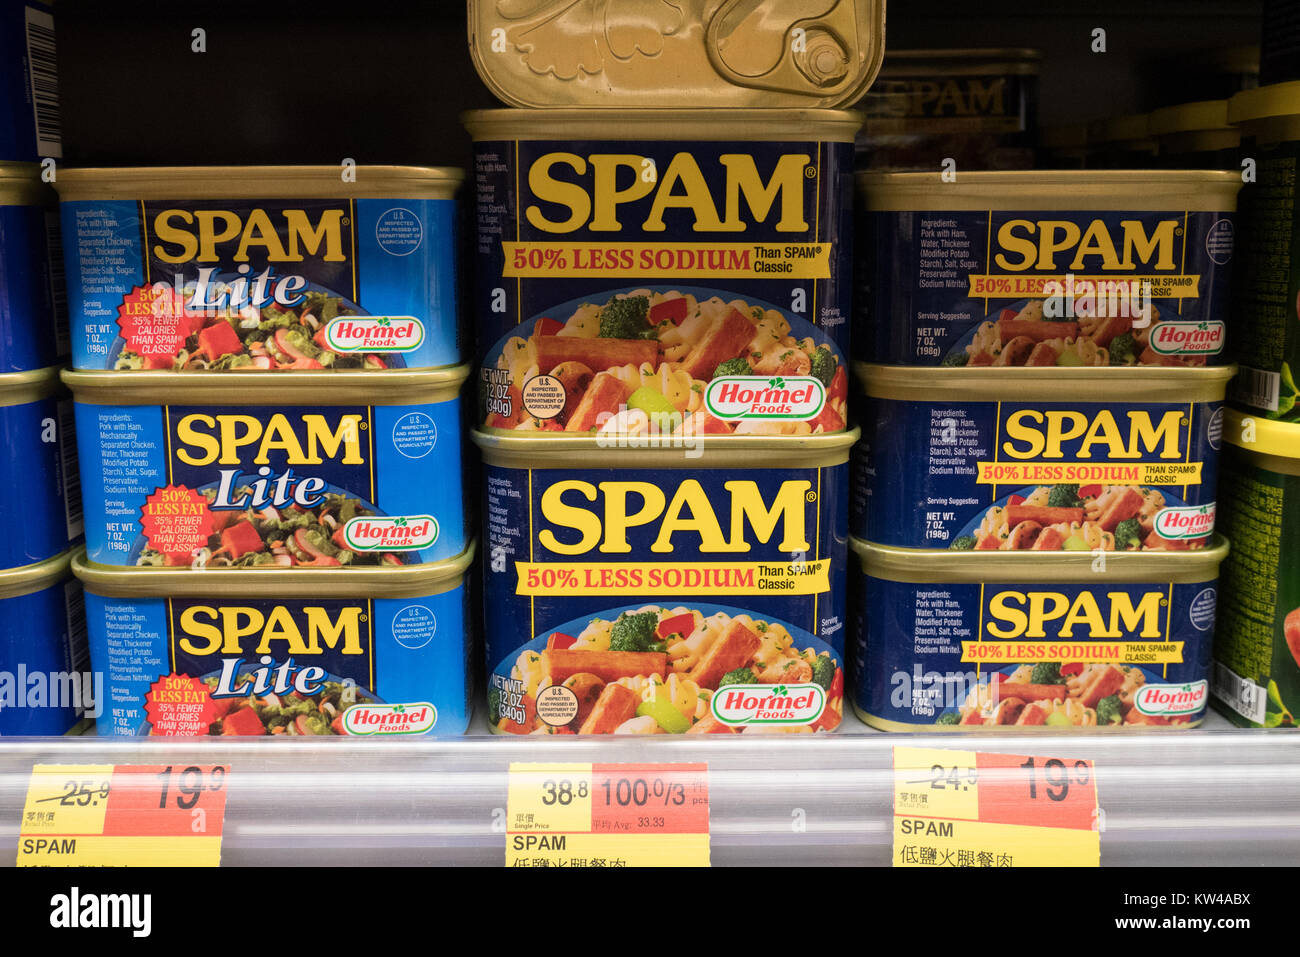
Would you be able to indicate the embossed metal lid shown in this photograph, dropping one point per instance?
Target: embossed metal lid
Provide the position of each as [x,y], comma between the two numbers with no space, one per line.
[700,54]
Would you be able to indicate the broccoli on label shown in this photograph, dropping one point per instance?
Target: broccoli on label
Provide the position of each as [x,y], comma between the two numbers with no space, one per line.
[1128,535]
[1063,496]
[741,676]
[1108,711]
[948,717]
[1046,673]
[626,319]
[823,671]
[494,706]
[733,367]
[636,632]
[823,365]
[955,359]
[963,543]
[1123,350]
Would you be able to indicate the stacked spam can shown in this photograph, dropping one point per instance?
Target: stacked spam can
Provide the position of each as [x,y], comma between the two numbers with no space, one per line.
[662,305]
[1257,647]
[42,627]
[1040,386]
[267,388]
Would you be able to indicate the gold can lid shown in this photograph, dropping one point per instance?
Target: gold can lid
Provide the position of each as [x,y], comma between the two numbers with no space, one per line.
[407,581]
[829,126]
[961,62]
[259,182]
[1190,117]
[696,54]
[19,388]
[26,579]
[393,387]
[1255,433]
[927,565]
[1271,111]
[20,185]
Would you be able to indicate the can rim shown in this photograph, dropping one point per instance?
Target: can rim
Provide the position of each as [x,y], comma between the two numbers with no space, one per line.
[1273,438]
[716,451]
[19,388]
[1134,383]
[1274,101]
[256,182]
[38,576]
[923,566]
[161,387]
[1023,61]
[658,124]
[410,581]
[21,185]
[1200,116]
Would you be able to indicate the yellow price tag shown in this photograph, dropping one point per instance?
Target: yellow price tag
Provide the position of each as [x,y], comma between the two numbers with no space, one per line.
[607,815]
[974,809]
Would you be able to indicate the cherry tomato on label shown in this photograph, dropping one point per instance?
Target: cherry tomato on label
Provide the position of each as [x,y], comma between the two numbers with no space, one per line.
[1016,500]
[677,625]
[547,327]
[1006,315]
[559,641]
[1089,491]
[1073,669]
[837,685]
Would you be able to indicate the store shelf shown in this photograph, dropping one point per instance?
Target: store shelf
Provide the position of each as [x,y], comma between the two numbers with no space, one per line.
[1213,796]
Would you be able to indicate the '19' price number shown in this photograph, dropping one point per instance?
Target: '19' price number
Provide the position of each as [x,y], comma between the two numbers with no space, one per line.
[1056,776]
[187,786]
[562,792]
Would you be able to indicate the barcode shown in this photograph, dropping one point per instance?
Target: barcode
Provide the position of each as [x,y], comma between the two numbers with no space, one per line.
[1242,696]
[42,67]
[71,474]
[75,604]
[1256,388]
[58,285]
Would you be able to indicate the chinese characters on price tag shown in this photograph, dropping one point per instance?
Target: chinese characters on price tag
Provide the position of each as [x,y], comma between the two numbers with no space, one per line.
[970,809]
[103,815]
[608,815]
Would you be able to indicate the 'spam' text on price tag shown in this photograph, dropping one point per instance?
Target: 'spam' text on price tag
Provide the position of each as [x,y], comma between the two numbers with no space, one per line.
[123,815]
[608,815]
[972,809]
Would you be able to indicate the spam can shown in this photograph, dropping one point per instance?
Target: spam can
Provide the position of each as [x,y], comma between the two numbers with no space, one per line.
[31,281]
[385,652]
[1079,461]
[663,272]
[1256,680]
[30,123]
[324,471]
[956,641]
[42,503]
[1266,290]
[650,591]
[1046,268]
[1197,136]
[45,682]
[261,267]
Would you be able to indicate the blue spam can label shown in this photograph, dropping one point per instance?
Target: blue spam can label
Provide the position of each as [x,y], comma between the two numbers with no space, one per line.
[371,658]
[668,280]
[42,505]
[272,483]
[653,594]
[33,334]
[960,642]
[45,682]
[363,282]
[977,466]
[1003,269]
[30,123]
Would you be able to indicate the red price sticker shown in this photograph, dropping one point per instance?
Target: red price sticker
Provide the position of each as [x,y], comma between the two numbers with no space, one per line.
[128,815]
[972,809]
[608,815]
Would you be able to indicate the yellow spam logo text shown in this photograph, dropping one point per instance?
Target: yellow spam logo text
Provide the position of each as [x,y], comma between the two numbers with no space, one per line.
[594,190]
[591,517]
[308,439]
[1061,244]
[208,235]
[238,630]
[1054,434]
[1038,614]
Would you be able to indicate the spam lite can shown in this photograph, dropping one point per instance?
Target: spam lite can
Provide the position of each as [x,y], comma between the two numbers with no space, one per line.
[663,271]
[655,591]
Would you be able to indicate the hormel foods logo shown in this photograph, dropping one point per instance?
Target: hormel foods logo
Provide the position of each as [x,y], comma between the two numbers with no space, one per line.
[366,719]
[1188,338]
[403,533]
[768,704]
[374,334]
[1195,521]
[1168,700]
[762,397]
